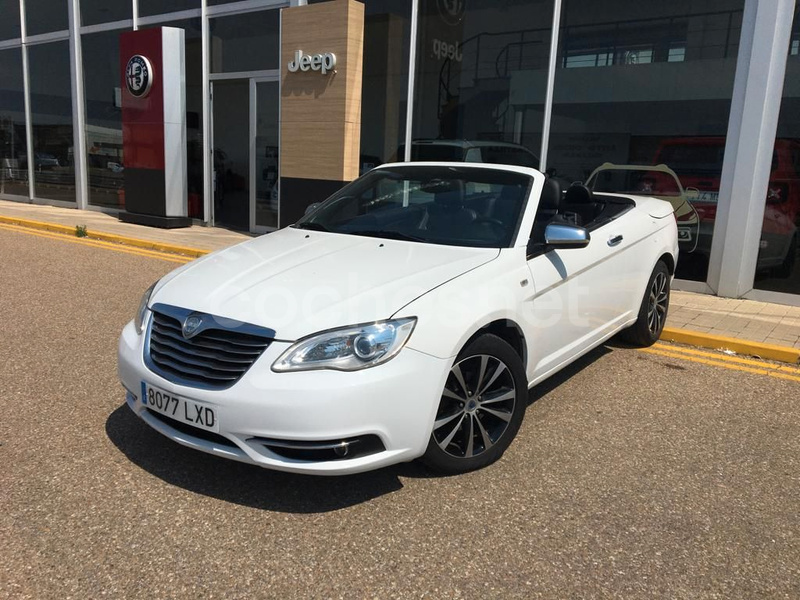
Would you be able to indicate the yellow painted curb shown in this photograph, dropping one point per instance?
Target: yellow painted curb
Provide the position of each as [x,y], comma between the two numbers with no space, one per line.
[719,342]
[105,237]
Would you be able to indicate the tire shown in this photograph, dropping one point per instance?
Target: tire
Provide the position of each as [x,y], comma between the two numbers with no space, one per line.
[653,310]
[474,426]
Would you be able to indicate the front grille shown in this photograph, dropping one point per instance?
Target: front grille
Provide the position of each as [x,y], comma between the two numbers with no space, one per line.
[215,358]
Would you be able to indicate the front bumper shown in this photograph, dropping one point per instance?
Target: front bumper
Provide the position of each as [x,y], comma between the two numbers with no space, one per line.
[395,401]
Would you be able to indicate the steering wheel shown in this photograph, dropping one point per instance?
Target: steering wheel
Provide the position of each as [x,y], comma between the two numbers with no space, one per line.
[490,221]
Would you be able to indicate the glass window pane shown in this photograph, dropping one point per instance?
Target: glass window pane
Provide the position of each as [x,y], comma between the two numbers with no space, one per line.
[385,80]
[267,130]
[44,16]
[160,7]
[13,146]
[102,91]
[9,24]
[778,264]
[654,87]
[248,42]
[480,82]
[51,108]
[105,11]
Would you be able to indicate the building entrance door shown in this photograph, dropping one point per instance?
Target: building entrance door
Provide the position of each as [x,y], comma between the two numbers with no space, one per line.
[245,115]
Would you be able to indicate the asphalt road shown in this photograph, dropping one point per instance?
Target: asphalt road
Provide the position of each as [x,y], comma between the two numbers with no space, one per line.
[635,475]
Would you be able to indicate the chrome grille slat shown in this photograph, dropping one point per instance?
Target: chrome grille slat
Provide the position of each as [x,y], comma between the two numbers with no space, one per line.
[214,358]
[203,343]
[196,362]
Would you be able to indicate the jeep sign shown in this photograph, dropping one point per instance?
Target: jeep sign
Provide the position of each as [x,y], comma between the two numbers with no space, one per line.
[316,62]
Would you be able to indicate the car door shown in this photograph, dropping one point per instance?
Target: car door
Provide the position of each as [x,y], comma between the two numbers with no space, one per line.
[580,295]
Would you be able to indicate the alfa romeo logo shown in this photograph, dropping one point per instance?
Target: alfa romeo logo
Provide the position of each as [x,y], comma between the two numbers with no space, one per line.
[452,11]
[139,76]
[191,325]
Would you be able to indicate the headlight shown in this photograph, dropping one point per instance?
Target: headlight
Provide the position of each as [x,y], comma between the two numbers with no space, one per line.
[142,310]
[349,348]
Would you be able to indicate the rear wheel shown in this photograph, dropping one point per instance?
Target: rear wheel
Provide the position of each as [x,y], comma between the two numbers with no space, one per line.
[653,310]
[481,407]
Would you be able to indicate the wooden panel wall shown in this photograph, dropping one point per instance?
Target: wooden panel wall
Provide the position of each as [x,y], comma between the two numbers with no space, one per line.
[321,114]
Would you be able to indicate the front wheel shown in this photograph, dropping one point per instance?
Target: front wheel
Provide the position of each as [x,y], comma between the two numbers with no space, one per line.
[481,407]
[653,310]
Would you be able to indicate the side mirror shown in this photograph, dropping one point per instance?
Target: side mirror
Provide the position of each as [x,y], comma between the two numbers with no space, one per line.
[564,235]
[312,207]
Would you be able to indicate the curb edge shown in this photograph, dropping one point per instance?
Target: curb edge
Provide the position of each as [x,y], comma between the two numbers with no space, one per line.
[105,237]
[784,354]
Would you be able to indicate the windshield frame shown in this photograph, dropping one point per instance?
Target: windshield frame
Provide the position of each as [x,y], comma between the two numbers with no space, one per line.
[397,168]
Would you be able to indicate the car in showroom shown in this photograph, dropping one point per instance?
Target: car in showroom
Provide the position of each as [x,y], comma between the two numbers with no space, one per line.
[405,317]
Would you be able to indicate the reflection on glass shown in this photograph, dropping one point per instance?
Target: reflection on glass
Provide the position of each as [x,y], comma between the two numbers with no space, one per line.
[44,16]
[481,77]
[13,146]
[9,24]
[232,153]
[248,42]
[778,265]
[105,11]
[647,84]
[267,128]
[101,79]
[160,7]
[51,111]
[385,80]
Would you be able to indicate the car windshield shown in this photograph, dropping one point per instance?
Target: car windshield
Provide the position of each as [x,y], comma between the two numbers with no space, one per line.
[634,181]
[452,205]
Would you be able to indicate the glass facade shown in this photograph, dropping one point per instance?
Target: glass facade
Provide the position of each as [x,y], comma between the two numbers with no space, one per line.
[13,141]
[646,84]
[46,16]
[51,121]
[248,42]
[480,81]
[9,24]
[101,83]
[778,265]
[105,11]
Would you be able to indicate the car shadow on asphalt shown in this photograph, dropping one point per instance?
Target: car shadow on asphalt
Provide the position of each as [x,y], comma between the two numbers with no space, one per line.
[260,488]
[240,483]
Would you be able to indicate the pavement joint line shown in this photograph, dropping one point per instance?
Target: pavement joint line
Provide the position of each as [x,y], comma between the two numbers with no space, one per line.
[727,358]
[719,363]
[785,354]
[106,237]
[173,258]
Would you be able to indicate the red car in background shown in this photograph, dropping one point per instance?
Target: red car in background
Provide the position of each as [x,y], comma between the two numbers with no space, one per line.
[698,163]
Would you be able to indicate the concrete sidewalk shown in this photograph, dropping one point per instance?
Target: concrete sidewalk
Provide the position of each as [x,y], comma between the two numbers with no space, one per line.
[747,320]
[202,238]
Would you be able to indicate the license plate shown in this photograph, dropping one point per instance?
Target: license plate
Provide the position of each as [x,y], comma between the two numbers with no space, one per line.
[181,409]
[684,234]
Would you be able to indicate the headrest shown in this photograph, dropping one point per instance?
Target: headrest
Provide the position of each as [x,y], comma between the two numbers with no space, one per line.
[578,193]
[448,193]
[551,195]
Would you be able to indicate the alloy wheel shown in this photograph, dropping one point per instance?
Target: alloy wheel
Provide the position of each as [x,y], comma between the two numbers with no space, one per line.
[657,304]
[476,407]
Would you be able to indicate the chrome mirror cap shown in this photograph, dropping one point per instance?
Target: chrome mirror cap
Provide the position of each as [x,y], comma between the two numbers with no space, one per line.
[565,235]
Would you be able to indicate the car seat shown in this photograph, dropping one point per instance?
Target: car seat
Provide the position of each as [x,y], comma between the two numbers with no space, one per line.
[548,209]
[580,205]
[447,215]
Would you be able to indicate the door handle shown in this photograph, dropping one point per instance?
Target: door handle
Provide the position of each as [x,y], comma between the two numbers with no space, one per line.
[613,241]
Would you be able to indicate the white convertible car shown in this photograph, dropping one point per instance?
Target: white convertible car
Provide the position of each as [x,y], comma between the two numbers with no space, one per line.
[406,316]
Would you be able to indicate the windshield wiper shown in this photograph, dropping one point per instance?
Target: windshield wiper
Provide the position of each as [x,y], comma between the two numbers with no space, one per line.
[391,235]
[311,226]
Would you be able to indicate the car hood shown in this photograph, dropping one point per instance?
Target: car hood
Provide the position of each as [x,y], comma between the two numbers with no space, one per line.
[299,282]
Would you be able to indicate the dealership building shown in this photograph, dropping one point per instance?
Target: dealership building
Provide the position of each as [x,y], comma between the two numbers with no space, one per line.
[242,113]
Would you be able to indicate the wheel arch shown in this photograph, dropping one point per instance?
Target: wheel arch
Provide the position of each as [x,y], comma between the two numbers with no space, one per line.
[507,330]
[669,260]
